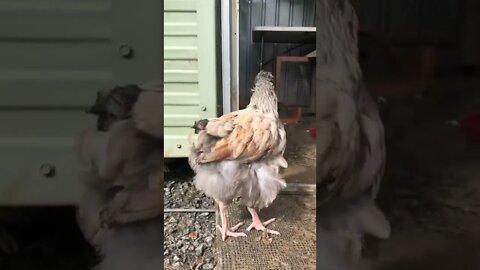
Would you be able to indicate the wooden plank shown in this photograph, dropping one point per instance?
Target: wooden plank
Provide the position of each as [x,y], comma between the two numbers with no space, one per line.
[283,34]
[296,189]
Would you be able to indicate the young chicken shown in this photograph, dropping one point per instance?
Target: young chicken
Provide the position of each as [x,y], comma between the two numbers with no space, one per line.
[115,104]
[238,155]
[125,153]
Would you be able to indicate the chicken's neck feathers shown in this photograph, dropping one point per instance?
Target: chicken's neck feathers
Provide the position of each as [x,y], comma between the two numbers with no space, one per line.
[264,98]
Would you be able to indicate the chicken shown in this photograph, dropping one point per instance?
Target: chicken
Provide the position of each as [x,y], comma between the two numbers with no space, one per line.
[125,163]
[131,170]
[138,103]
[238,155]
[115,104]
[350,140]
[148,110]
[139,173]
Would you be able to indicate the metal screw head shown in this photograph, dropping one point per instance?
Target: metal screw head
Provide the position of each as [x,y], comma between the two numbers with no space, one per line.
[179,146]
[47,170]
[126,51]
[204,108]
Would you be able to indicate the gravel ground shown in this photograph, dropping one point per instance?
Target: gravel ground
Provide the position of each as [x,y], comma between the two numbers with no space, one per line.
[189,237]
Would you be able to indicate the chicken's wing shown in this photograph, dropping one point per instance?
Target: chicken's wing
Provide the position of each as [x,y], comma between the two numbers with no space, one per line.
[244,135]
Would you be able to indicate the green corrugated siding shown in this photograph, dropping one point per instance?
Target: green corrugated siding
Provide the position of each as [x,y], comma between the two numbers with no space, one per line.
[45,84]
[190,69]
[54,56]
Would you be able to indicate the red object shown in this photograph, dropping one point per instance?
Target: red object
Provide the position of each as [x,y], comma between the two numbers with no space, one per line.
[313,132]
[470,125]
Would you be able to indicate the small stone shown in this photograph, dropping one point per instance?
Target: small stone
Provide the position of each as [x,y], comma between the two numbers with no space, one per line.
[209,239]
[189,236]
[199,250]
[207,266]
[192,236]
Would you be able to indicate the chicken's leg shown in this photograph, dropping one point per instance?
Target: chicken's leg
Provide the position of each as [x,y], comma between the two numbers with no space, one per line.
[223,229]
[258,224]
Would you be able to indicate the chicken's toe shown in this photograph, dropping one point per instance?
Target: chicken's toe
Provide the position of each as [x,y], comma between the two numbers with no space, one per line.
[231,232]
[260,226]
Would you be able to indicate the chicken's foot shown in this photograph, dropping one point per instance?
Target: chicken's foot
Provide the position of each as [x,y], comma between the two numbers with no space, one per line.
[223,229]
[258,224]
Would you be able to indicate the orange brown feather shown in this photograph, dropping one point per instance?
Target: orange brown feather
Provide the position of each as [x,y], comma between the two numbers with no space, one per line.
[250,138]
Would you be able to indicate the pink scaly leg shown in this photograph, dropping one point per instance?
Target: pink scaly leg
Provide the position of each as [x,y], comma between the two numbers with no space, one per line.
[258,224]
[223,229]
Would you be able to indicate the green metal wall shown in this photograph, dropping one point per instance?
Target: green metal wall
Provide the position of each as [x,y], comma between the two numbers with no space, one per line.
[189,70]
[54,56]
